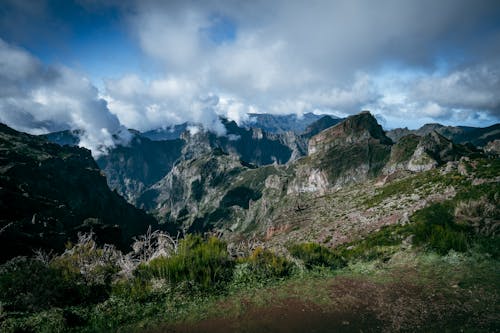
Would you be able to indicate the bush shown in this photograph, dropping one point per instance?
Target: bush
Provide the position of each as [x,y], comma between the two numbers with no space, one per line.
[435,227]
[32,285]
[315,255]
[90,268]
[265,264]
[52,321]
[204,263]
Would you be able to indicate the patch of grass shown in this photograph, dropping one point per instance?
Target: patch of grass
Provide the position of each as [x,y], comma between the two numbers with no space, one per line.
[435,227]
[486,168]
[32,285]
[204,263]
[411,184]
[377,245]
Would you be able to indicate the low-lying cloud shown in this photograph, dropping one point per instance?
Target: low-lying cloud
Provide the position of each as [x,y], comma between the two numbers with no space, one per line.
[39,99]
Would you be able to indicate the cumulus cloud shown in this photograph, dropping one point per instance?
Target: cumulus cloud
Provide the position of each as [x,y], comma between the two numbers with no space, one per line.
[39,99]
[296,57]
[471,88]
[408,62]
[159,103]
[461,96]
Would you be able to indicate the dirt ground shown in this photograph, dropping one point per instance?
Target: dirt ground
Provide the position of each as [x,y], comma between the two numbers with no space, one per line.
[359,305]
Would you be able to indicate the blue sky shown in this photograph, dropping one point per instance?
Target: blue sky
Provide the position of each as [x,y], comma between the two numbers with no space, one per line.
[149,64]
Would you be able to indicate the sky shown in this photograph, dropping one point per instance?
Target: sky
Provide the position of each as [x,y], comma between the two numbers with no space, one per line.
[104,66]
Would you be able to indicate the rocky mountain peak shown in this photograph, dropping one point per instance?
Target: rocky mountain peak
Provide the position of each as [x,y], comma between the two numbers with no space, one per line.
[354,129]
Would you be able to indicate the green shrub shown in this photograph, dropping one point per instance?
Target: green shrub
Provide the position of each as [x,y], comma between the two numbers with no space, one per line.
[32,285]
[51,321]
[265,265]
[135,289]
[90,268]
[205,263]
[314,255]
[435,227]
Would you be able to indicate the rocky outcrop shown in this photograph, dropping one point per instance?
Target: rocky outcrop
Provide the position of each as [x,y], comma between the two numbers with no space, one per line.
[49,193]
[354,130]
[214,189]
[493,148]
[354,150]
[133,168]
[421,153]
[192,188]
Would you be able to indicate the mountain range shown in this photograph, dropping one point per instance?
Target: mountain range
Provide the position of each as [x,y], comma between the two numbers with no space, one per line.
[241,184]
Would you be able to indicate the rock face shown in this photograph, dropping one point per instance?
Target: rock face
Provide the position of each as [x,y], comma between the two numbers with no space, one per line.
[320,125]
[148,157]
[49,193]
[422,153]
[493,147]
[131,169]
[351,151]
[192,187]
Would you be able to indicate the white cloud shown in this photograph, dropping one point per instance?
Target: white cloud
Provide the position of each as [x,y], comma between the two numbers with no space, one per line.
[159,103]
[296,57]
[470,88]
[44,99]
[281,56]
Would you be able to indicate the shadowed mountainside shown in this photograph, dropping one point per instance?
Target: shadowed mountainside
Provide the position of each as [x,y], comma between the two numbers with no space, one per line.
[49,193]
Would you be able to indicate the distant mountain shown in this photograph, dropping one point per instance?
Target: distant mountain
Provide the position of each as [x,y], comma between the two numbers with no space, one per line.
[238,182]
[49,193]
[132,168]
[67,137]
[166,133]
[271,123]
[320,125]
[478,136]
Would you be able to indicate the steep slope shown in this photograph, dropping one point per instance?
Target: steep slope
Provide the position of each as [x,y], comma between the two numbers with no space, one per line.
[193,188]
[213,190]
[253,145]
[352,151]
[320,125]
[48,193]
[133,168]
